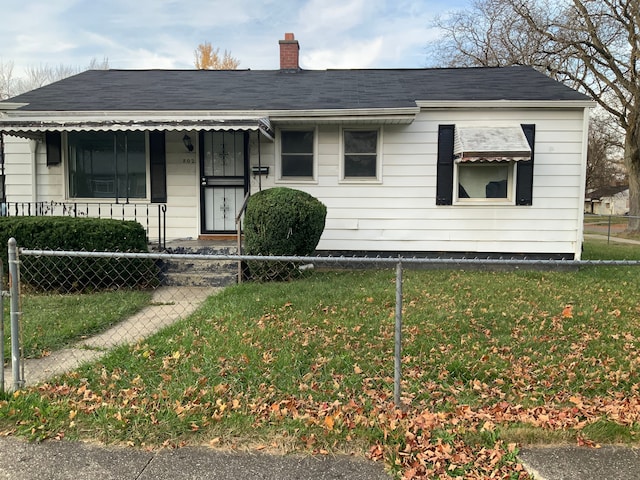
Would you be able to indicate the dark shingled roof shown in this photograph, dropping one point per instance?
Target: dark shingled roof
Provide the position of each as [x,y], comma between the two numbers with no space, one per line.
[607,191]
[112,90]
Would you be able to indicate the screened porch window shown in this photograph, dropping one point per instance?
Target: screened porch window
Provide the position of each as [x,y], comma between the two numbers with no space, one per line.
[107,165]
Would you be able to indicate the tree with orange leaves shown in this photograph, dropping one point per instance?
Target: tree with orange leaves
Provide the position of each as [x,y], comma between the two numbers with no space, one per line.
[208,58]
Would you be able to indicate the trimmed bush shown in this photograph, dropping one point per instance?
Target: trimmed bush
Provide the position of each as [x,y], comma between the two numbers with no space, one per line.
[282,221]
[78,234]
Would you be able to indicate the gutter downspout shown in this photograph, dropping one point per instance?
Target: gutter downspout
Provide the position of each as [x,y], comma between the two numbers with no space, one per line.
[33,147]
[3,198]
[583,184]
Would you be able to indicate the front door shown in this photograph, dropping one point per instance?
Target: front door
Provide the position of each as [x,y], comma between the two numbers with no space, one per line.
[224,180]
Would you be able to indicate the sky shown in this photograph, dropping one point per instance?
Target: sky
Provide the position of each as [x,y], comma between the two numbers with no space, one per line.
[163,34]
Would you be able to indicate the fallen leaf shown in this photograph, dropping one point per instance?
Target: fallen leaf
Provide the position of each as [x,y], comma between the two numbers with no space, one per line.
[329,422]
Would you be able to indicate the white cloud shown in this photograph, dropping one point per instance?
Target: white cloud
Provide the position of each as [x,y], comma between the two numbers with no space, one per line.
[335,15]
[351,55]
[164,33]
[144,59]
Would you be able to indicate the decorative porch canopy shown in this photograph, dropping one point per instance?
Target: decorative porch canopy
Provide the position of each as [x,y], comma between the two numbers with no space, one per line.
[29,128]
[490,144]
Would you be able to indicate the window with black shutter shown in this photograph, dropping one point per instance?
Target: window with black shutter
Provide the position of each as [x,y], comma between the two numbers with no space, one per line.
[485,164]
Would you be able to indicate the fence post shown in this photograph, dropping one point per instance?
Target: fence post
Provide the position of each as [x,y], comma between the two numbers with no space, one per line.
[14,281]
[609,230]
[397,374]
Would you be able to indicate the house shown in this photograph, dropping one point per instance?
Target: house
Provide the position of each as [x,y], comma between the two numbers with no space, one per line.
[471,160]
[612,200]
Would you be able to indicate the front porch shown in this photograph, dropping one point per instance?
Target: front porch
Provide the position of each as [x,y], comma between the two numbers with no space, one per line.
[151,216]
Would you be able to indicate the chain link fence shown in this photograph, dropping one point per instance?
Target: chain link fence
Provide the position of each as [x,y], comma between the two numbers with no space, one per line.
[69,308]
[609,225]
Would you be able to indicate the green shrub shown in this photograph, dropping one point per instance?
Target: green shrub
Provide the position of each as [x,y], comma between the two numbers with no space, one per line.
[78,234]
[282,221]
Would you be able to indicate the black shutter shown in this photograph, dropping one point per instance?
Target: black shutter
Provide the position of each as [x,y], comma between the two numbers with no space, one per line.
[158,165]
[54,148]
[444,186]
[524,185]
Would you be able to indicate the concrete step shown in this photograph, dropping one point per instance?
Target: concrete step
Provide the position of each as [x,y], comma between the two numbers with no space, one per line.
[202,267]
[221,279]
[202,273]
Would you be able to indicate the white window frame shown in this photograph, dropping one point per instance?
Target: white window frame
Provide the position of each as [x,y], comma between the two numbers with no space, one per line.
[290,179]
[359,180]
[511,184]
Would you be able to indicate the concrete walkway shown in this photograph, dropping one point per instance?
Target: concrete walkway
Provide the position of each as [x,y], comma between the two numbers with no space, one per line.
[168,305]
[51,460]
[612,239]
[570,462]
[61,460]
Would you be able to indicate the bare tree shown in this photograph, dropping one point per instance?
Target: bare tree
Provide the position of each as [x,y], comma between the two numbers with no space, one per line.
[39,76]
[96,64]
[592,45]
[7,82]
[208,58]
[605,153]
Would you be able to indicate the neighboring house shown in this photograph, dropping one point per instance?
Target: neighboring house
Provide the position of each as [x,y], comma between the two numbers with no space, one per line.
[613,200]
[475,160]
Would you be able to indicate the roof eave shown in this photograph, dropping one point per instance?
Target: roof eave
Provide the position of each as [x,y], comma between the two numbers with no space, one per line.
[11,105]
[505,103]
[367,115]
[398,115]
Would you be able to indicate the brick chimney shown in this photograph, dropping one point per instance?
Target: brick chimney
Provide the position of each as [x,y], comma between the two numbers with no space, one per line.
[289,52]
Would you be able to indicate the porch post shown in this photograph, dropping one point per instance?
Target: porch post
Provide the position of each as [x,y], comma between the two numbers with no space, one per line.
[259,163]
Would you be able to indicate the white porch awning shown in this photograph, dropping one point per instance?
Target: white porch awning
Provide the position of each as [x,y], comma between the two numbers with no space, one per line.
[35,129]
[490,144]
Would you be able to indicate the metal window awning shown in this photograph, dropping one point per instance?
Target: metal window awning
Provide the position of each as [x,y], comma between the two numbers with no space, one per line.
[36,129]
[490,144]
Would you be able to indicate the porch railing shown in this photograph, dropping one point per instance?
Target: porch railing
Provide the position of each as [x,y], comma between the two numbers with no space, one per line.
[239,231]
[151,216]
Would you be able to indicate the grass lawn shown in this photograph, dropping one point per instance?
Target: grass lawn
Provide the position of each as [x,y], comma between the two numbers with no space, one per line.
[601,250]
[51,322]
[491,360]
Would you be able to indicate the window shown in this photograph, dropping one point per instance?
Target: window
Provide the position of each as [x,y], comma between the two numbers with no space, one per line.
[485,164]
[296,153]
[484,180]
[107,165]
[360,154]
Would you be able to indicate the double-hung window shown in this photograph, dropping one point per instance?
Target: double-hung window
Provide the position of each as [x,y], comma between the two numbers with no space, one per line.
[107,165]
[361,159]
[297,154]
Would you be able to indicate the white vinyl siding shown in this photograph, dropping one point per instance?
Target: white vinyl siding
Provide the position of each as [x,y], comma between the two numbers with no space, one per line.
[183,187]
[400,214]
[397,214]
[20,172]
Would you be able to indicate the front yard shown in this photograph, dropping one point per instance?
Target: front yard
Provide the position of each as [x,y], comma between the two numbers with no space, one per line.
[491,360]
